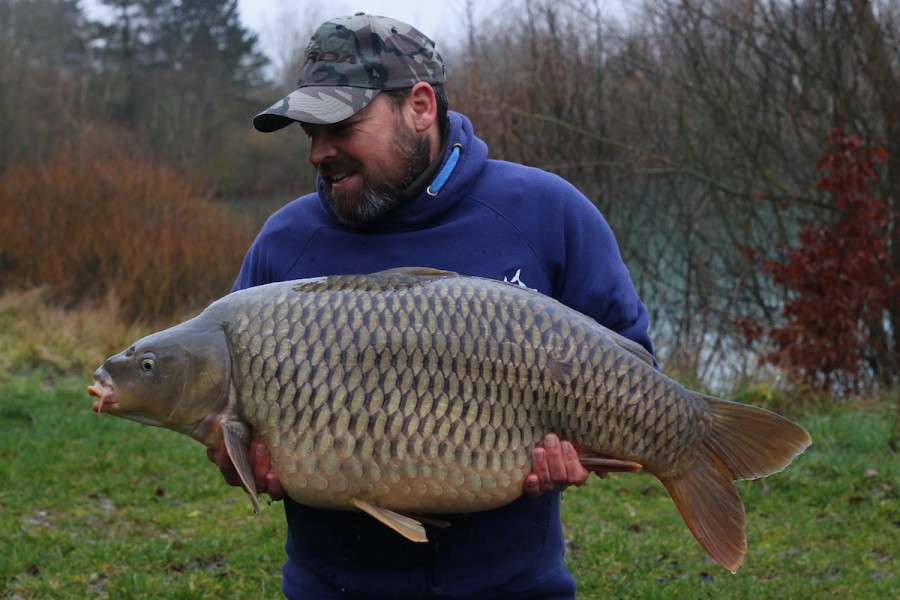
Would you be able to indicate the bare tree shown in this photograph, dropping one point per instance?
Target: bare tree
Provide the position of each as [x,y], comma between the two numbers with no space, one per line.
[696,128]
[44,63]
[290,28]
[767,81]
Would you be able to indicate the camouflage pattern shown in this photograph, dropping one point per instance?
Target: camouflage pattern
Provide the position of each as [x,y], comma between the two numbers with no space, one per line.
[427,392]
[348,61]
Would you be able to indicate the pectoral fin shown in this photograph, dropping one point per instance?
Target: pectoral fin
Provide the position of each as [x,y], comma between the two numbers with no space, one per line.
[603,464]
[405,526]
[237,442]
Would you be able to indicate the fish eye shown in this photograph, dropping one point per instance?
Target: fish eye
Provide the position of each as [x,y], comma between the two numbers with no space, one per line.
[147,362]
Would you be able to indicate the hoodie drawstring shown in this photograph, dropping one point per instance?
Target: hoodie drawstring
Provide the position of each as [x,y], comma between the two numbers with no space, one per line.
[445,172]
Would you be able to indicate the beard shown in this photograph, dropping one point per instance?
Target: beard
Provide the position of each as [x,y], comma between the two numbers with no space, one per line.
[380,193]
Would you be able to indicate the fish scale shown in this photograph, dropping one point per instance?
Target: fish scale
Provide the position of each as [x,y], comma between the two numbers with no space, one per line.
[419,391]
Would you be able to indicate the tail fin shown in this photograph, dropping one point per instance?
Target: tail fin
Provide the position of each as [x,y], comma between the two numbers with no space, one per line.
[745,442]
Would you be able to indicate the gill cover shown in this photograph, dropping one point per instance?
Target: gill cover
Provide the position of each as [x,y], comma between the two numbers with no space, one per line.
[177,378]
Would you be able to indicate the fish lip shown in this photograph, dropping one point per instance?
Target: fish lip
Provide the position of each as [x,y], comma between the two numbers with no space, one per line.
[103,389]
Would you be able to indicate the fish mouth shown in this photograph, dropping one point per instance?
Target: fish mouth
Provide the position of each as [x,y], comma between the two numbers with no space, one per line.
[104,390]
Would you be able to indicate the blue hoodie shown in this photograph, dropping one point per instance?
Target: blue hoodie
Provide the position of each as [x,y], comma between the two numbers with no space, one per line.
[491,219]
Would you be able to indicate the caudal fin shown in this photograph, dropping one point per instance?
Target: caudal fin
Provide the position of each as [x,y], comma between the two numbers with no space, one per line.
[746,442]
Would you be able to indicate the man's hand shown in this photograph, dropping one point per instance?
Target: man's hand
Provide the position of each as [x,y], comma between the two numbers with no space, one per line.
[555,467]
[263,477]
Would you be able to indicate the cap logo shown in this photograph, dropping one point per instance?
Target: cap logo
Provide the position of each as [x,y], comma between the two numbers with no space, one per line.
[314,56]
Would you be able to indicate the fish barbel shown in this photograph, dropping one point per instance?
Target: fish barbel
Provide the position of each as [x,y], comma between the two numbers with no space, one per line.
[422,391]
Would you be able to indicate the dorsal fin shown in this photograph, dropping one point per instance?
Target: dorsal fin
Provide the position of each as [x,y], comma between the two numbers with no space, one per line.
[389,279]
[415,271]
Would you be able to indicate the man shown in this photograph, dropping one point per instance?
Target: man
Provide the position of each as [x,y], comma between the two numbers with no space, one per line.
[404,182]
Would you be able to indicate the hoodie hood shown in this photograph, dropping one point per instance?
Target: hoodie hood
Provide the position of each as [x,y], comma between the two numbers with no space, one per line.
[464,157]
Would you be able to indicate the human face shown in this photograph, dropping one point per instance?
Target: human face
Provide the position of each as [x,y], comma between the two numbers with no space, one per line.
[365,162]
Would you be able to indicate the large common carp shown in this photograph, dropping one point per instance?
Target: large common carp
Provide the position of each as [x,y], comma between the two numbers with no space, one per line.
[421,391]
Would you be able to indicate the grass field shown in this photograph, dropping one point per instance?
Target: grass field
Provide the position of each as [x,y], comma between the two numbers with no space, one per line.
[97,507]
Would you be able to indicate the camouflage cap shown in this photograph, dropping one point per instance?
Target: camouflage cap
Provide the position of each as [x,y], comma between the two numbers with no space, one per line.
[349,60]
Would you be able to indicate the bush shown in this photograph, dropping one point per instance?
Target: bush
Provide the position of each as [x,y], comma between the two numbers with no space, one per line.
[93,229]
[840,278]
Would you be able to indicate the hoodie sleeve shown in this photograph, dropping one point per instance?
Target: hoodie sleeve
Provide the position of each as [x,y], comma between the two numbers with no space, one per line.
[588,272]
[597,282]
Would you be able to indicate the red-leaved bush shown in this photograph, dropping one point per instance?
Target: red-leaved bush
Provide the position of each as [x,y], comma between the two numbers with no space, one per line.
[840,275]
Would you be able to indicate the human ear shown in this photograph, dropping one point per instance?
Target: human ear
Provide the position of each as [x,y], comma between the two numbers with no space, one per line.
[423,105]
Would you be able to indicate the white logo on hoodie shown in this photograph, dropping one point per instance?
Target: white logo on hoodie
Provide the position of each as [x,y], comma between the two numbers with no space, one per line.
[516,279]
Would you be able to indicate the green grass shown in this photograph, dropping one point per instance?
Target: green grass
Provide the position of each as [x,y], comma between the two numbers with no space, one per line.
[97,507]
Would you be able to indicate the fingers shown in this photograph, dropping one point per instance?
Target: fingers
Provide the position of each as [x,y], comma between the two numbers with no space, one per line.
[259,460]
[273,487]
[555,466]
[540,469]
[576,474]
[220,457]
[532,485]
[556,463]
[263,476]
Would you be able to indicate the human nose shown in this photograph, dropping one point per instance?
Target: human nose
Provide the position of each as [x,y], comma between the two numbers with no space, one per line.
[321,147]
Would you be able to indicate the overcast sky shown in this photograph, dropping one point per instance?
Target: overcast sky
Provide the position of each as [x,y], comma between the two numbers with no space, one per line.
[444,21]
[427,16]
[277,21]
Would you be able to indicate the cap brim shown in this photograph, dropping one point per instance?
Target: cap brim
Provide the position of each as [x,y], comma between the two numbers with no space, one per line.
[317,105]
